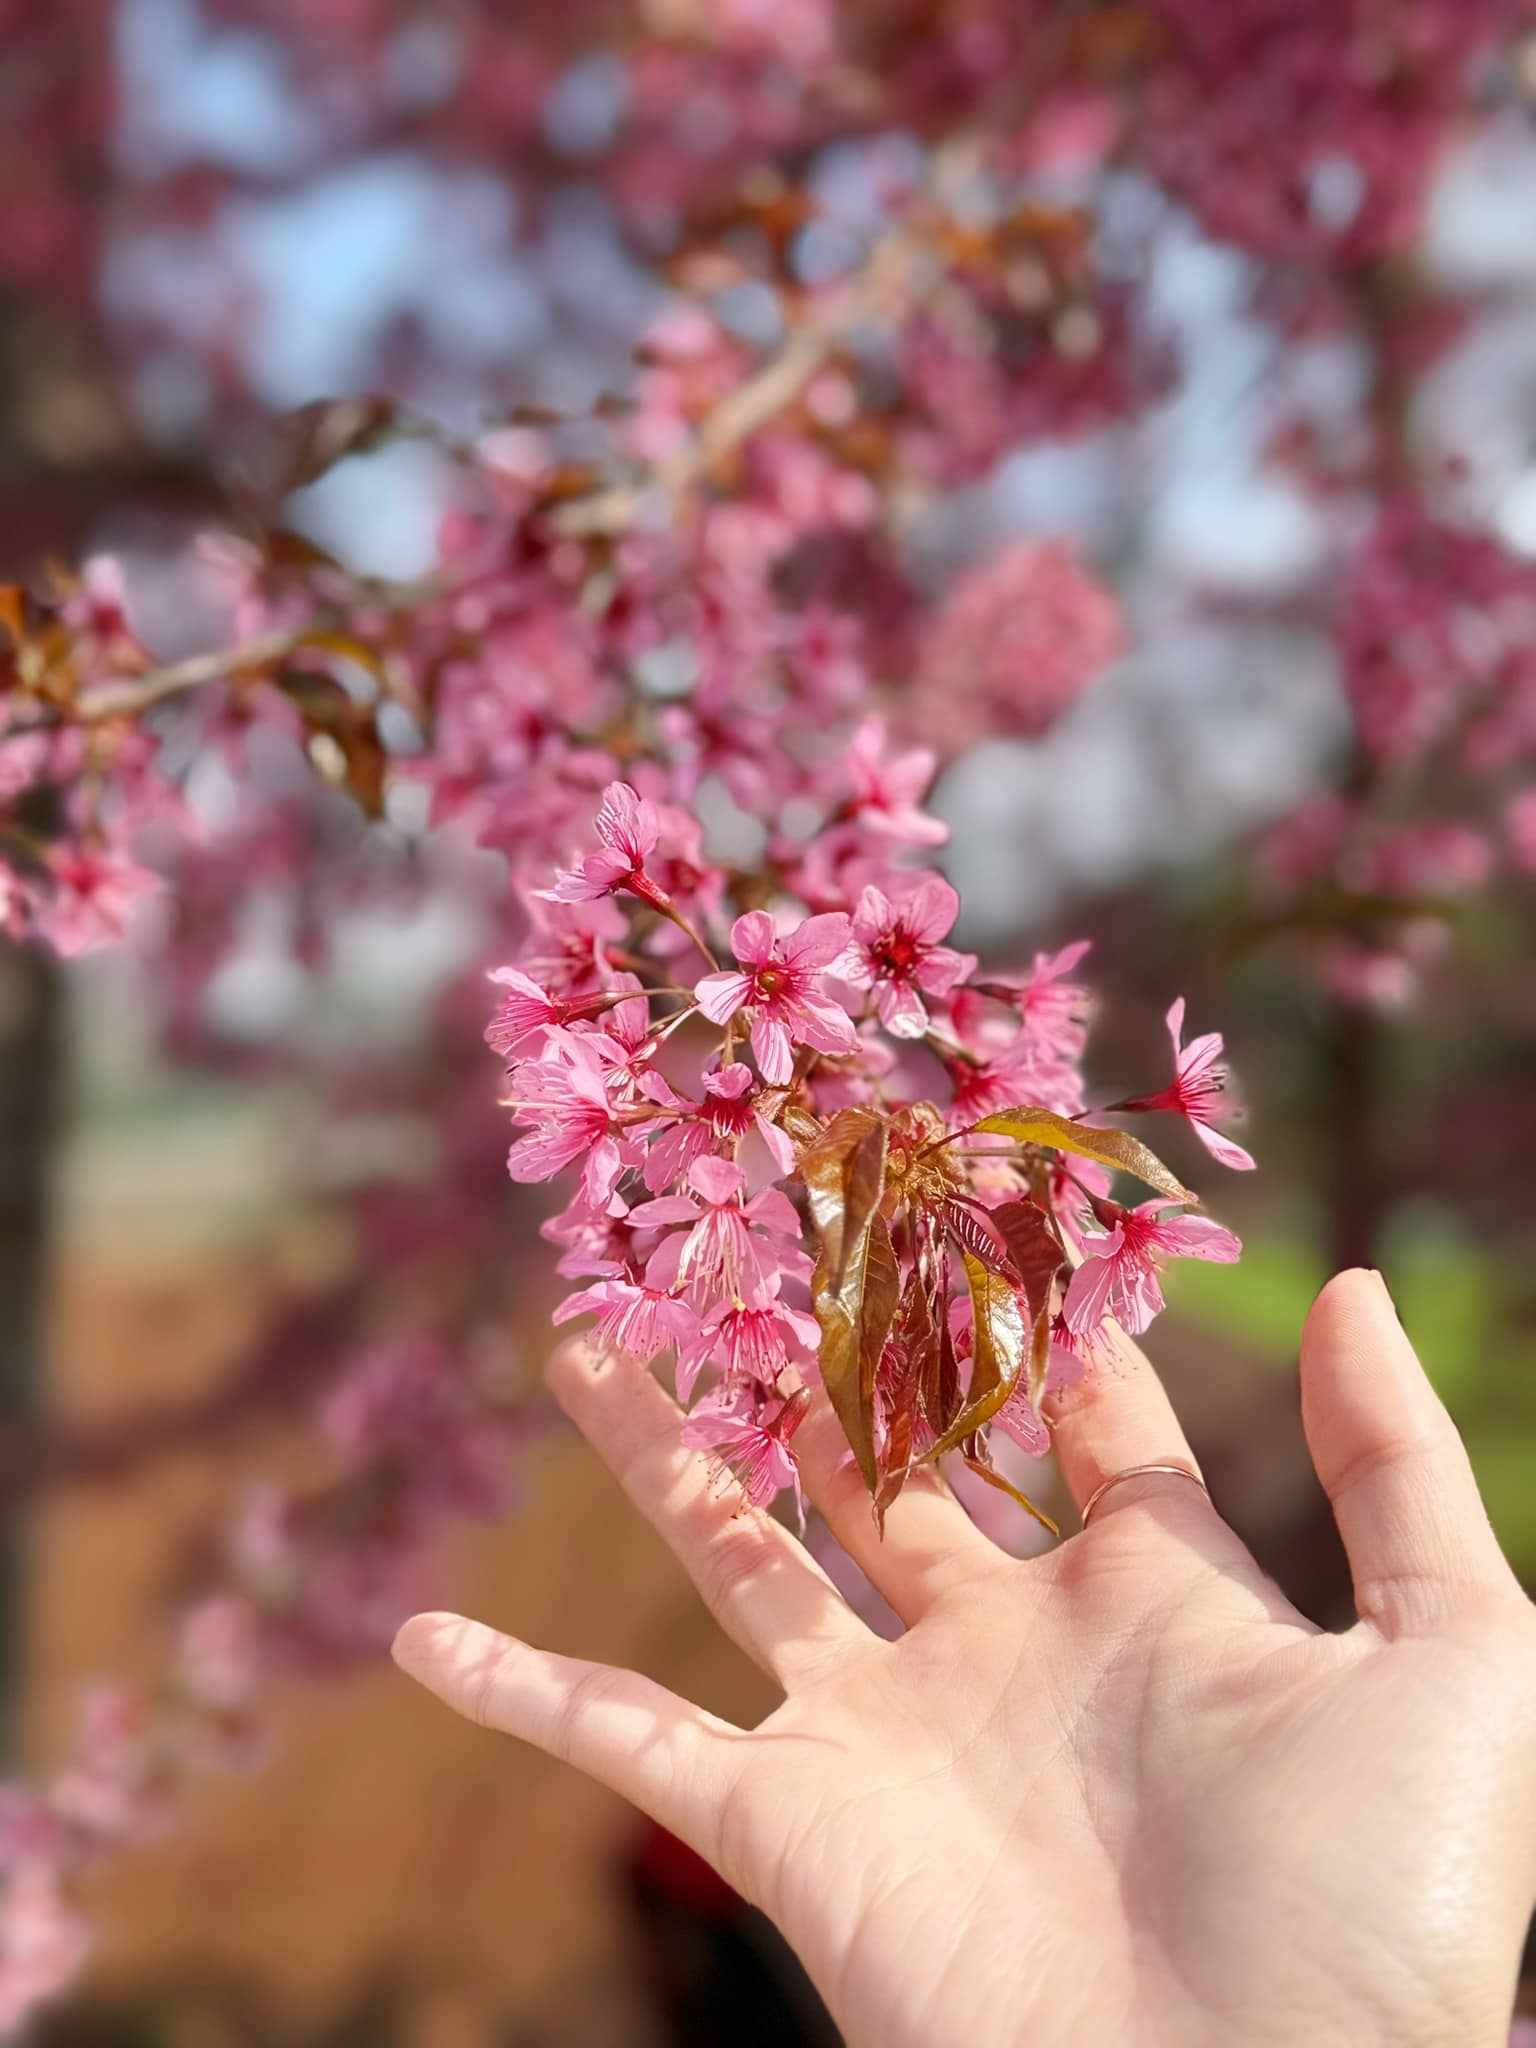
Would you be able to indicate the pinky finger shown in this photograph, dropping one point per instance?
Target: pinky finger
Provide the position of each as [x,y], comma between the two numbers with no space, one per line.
[668,1757]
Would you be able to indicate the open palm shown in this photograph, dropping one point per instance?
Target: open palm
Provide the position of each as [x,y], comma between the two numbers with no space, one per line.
[1122,1792]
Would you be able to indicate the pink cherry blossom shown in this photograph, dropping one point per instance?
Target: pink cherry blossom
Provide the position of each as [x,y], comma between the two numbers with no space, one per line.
[753,1338]
[633,1317]
[92,898]
[98,613]
[1017,640]
[1119,1277]
[1198,1091]
[896,953]
[751,1441]
[527,1008]
[565,1096]
[733,1244]
[729,1111]
[1035,1060]
[885,790]
[780,984]
[628,828]
[623,1040]
[566,951]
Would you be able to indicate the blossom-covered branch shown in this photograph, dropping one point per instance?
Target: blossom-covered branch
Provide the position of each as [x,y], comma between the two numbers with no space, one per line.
[933,1284]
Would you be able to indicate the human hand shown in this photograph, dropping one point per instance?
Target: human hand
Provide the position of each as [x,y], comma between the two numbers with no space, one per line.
[1119,1792]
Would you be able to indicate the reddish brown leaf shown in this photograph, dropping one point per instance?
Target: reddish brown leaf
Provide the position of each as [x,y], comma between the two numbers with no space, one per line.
[940,1391]
[844,1176]
[972,1231]
[344,742]
[999,1345]
[908,1362]
[1033,1248]
[855,1316]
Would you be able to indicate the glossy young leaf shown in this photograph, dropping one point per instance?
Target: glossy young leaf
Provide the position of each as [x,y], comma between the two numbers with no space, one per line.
[972,1230]
[855,1313]
[844,1176]
[1035,1255]
[1034,1126]
[999,1347]
[1035,1259]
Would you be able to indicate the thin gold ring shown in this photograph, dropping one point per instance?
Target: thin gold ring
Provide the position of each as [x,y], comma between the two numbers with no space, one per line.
[1135,1472]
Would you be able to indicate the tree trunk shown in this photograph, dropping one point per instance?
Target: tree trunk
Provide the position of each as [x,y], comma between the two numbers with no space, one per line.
[31,1070]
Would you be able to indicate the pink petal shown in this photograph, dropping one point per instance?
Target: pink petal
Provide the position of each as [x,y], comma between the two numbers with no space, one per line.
[625,821]
[1088,1295]
[941,967]
[717,1180]
[573,888]
[711,1429]
[665,1209]
[873,915]
[586,1303]
[1199,1056]
[773,1049]
[1175,1023]
[772,1210]
[857,967]
[1140,1301]
[514,978]
[661,1267]
[542,1154]
[731,1082]
[1017,1419]
[690,1363]
[806,1328]
[602,1171]
[824,1025]
[818,941]
[930,910]
[1054,966]
[779,1143]
[720,996]
[1222,1148]
[1198,1237]
[673,1153]
[753,938]
[900,1009]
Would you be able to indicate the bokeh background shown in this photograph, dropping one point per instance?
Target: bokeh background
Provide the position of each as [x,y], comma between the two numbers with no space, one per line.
[221,213]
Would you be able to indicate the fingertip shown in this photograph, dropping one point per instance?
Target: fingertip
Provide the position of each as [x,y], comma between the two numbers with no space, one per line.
[1353,1308]
[571,1366]
[429,1644]
[1356,1289]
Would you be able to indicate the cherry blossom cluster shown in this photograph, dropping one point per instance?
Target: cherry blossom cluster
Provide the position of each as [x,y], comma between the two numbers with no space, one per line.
[690,1069]
[1436,640]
